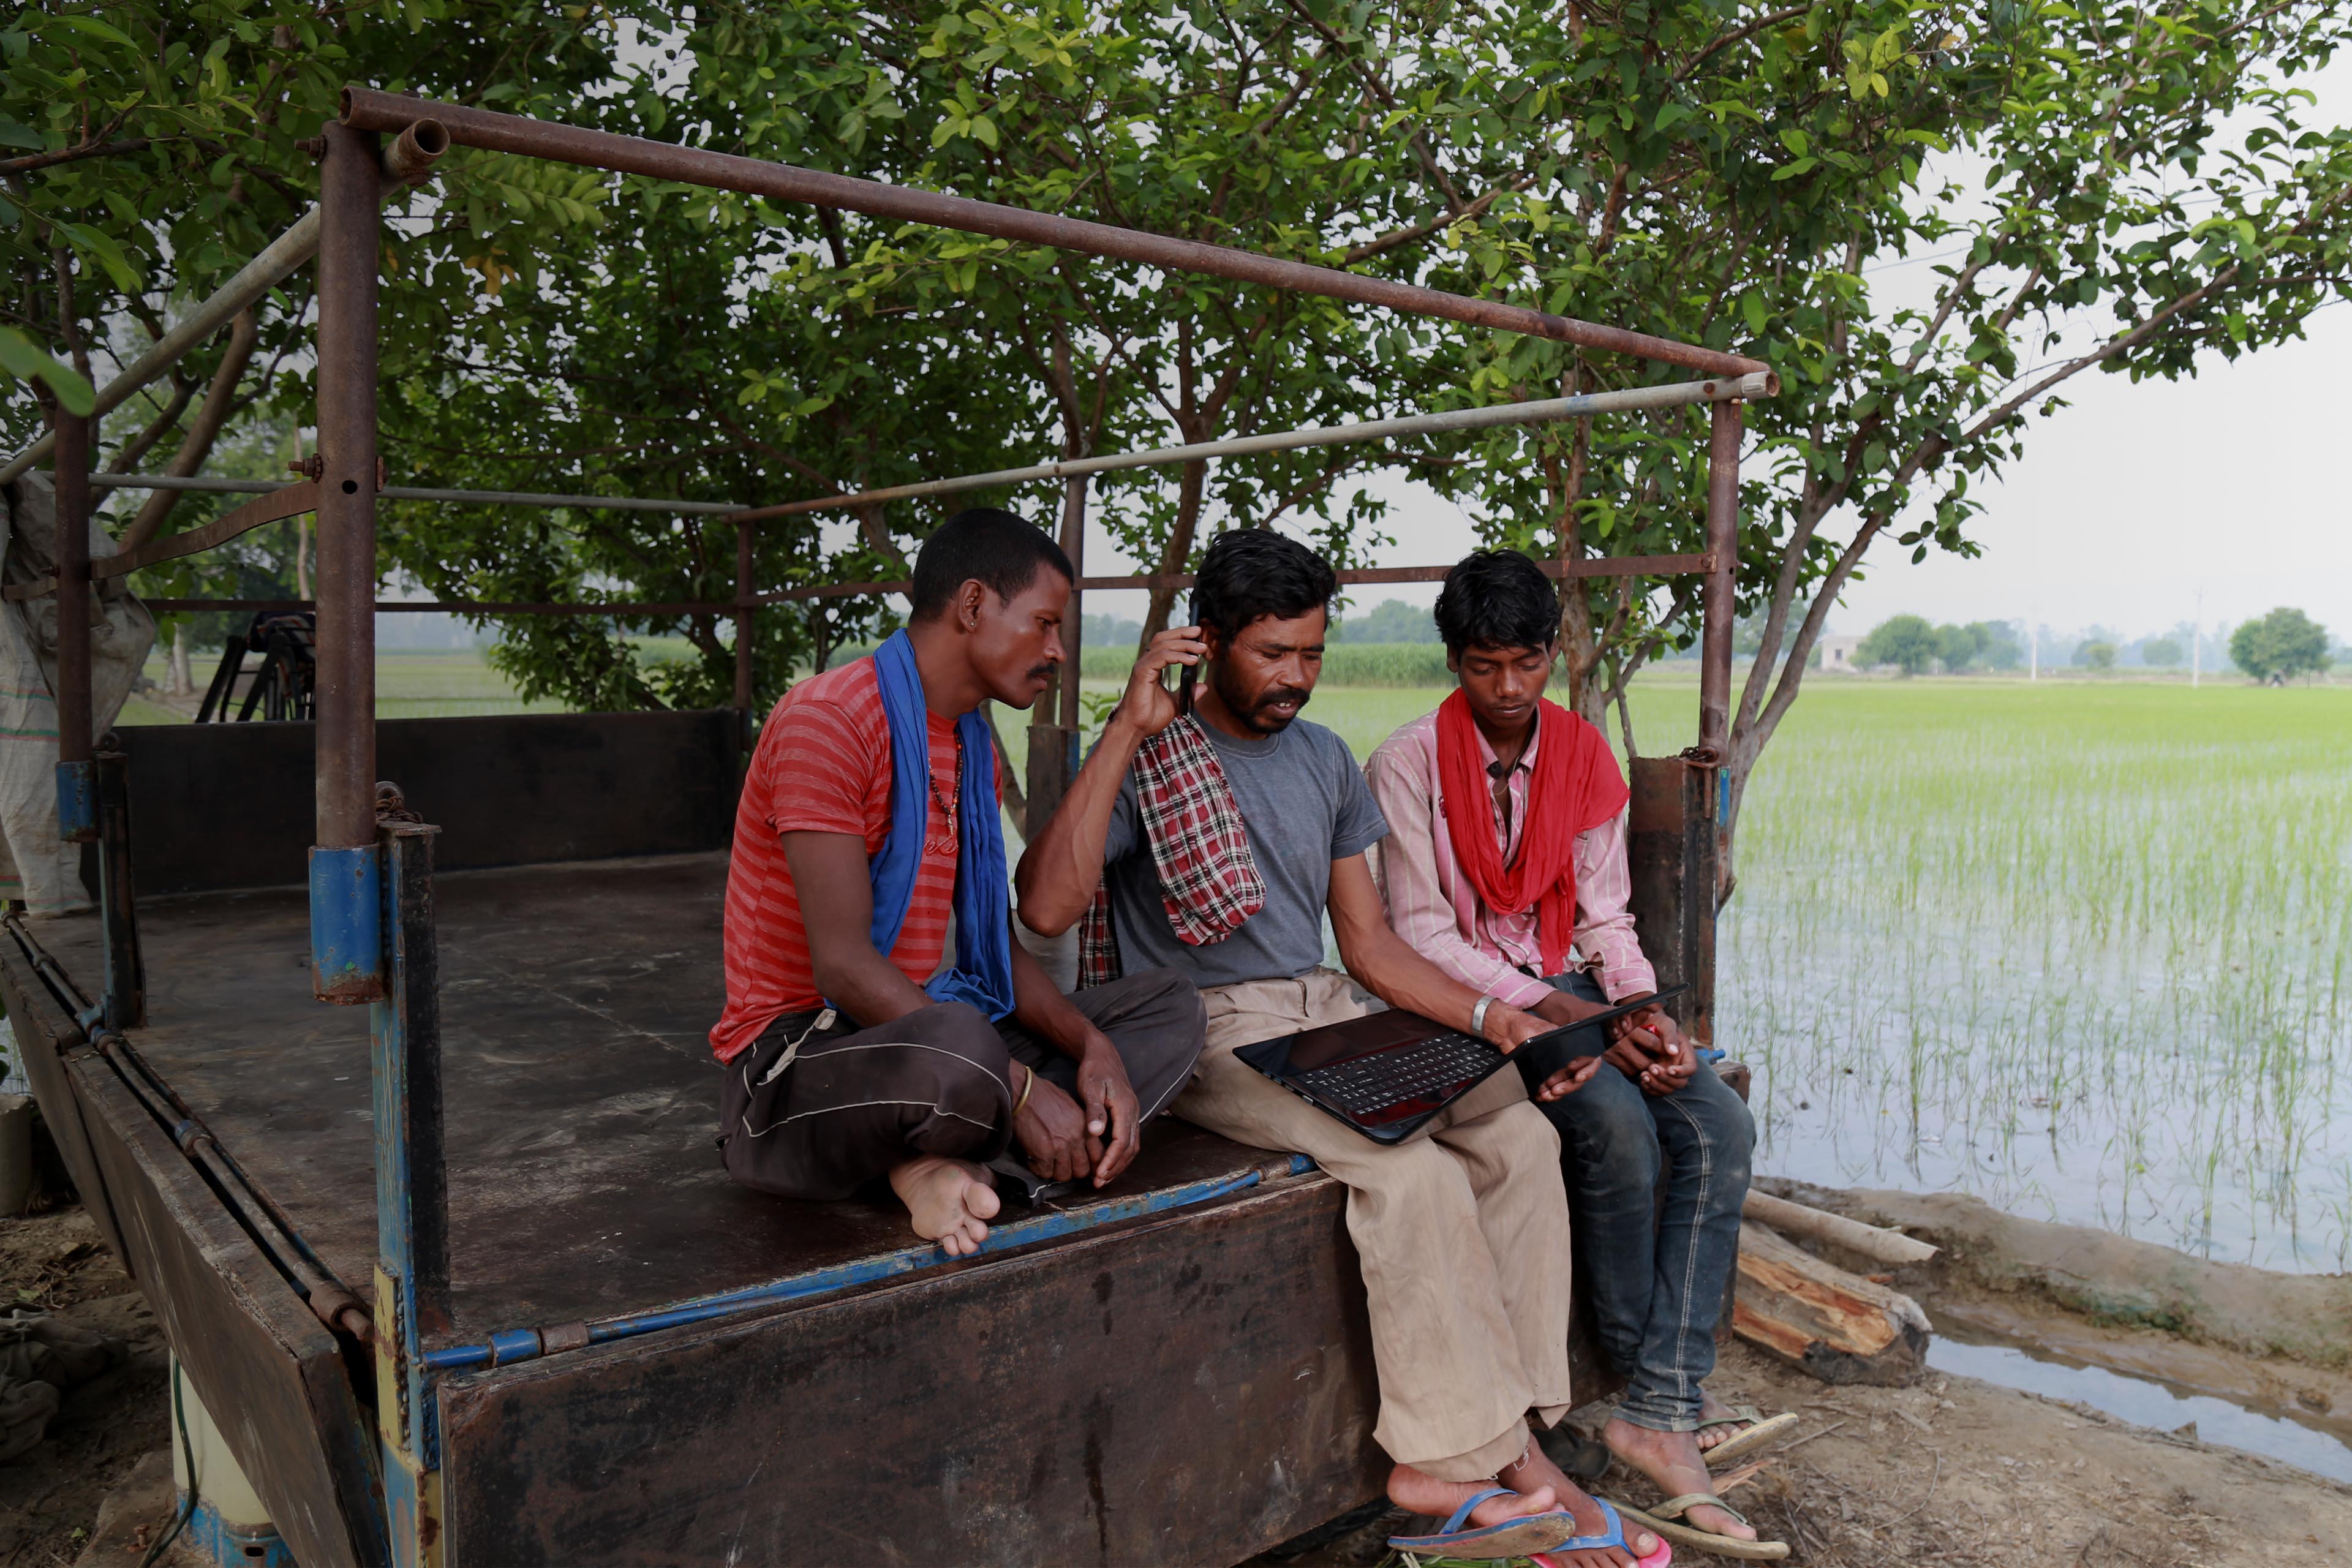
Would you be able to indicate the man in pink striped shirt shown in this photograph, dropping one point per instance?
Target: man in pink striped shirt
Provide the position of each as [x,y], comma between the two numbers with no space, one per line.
[1656,1286]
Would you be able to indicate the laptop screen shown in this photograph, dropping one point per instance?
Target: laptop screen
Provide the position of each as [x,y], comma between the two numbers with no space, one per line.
[1357,1037]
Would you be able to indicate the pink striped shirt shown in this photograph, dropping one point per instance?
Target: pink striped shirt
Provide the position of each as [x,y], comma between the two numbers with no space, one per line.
[1433,905]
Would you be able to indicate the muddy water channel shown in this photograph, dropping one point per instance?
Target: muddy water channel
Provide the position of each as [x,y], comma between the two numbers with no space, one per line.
[2083,951]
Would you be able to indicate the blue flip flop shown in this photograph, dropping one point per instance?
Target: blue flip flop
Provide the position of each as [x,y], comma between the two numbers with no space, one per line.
[1661,1556]
[1521,1537]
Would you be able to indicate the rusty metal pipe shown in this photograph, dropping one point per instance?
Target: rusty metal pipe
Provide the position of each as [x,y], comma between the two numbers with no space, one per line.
[348,197]
[409,160]
[1489,416]
[367,108]
[747,607]
[1073,546]
[1719,601]
[72,547]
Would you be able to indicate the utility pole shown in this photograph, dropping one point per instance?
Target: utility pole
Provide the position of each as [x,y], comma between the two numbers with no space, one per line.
[2034,649]
[2197,644]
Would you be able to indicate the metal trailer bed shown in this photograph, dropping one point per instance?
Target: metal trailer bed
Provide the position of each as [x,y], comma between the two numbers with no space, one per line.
[464,1283]
[643,1362]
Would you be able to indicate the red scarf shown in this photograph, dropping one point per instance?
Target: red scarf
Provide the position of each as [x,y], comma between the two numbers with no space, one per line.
[1577,786]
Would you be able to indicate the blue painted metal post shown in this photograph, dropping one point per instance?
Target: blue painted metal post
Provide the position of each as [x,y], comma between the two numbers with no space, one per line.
[412,1274]
[371,889]
[77,780]
[124,1005]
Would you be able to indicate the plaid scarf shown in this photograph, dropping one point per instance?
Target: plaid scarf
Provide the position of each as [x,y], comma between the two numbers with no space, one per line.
[1208,879]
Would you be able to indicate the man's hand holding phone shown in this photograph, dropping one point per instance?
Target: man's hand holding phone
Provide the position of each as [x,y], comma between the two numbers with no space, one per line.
[1647,1048]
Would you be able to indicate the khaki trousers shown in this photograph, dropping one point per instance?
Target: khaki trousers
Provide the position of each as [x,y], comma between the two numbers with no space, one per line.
[1462,1232]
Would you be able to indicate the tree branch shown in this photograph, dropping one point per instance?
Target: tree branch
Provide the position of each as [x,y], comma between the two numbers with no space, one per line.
[1735,36]
[26,164]
[198,445]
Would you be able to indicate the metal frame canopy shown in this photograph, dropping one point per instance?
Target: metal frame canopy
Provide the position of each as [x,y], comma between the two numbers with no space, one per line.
[371,905]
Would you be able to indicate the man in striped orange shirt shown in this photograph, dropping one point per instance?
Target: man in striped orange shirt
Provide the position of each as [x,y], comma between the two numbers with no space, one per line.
[868,825]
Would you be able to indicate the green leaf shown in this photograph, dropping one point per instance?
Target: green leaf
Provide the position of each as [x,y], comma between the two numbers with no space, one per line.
[100,244]
[1791,171]
[23,359]
[91,27]
[1672,114]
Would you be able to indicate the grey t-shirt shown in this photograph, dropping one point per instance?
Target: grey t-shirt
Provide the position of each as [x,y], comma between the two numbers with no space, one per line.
[1304,805]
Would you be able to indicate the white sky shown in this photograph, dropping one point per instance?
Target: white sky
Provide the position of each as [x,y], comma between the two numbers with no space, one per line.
[2124,509]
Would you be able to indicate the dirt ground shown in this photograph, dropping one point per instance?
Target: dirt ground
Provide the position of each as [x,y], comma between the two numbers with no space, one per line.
[1957,1473]
[1954,1472]
[50,1497]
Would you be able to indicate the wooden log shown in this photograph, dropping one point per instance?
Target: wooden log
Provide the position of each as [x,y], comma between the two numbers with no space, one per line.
[1877,1243]
[1814,1315]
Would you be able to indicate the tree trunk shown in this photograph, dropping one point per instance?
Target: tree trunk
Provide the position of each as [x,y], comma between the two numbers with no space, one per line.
[182,684]
[219,398]
[1179,548]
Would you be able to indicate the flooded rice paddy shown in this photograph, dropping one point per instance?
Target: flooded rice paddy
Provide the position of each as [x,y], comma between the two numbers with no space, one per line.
[2080,950]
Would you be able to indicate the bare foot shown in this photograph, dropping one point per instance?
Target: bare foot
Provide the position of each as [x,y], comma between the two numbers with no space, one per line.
[1712,1407]
[950,1201]
[1672,1461]
[1424,1493]
[1537,1471]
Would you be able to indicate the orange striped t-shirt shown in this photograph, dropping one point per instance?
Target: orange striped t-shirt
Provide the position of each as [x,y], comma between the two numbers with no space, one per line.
[822,765]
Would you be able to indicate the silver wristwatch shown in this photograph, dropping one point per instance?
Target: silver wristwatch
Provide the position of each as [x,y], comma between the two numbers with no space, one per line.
[1478,1016]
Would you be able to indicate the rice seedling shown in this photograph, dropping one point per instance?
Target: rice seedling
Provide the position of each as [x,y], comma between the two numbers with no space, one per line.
[2085,948]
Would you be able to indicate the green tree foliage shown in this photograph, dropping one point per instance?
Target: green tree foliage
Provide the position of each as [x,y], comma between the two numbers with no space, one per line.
[1905,642]
[1708,170]
[2159,653]
[2096,654]
[1980,644]
[1109,631]
[1959,648]
[2280,645]
[1390,621]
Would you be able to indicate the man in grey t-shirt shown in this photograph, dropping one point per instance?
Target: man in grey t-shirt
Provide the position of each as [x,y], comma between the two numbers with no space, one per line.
[1462,1232]
[1299,790]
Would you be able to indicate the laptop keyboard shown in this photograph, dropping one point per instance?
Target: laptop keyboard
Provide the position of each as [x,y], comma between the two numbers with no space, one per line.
[1410,1072]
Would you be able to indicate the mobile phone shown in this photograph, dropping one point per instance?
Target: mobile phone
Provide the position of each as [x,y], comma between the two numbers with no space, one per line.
[1184,689]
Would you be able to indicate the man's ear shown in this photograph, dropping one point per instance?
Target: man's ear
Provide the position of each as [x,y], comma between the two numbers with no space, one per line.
[971,599]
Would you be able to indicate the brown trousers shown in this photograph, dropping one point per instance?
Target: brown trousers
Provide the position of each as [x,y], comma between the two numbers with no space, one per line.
[856,1102]
[1462,1231]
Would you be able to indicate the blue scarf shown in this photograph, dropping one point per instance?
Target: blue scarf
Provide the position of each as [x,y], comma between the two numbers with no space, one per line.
[982,974]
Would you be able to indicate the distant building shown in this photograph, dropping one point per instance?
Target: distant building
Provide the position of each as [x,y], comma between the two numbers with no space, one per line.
[1837,653]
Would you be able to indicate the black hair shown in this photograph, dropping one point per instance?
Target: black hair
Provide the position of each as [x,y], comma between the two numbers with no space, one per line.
[1250,572]
[982,544]
[1497,599]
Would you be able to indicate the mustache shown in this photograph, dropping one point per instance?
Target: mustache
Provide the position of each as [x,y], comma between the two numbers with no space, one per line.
[1297,694]
[1044,672]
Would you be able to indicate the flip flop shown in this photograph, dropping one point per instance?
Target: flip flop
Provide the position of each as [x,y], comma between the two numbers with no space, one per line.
[1521,1537]
[1613,1536]
[1766,1431]
[1663,1519]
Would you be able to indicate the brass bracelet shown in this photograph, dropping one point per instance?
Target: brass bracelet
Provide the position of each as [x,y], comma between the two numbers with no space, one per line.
[1030,1084]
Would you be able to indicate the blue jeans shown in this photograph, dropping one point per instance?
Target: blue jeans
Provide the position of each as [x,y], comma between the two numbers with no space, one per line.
[1655,1279]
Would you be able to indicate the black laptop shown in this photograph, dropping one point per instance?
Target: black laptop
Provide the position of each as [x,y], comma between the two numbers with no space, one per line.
[1386,1074]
